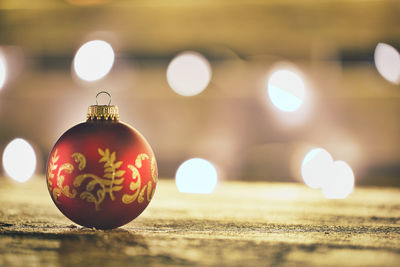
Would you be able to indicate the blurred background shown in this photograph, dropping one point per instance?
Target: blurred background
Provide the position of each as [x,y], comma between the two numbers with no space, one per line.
[234,109]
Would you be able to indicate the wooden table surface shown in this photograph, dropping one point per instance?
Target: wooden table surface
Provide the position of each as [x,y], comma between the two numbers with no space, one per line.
[240,224]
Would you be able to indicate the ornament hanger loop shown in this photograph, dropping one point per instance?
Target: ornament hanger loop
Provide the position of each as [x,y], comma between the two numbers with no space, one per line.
[103,92]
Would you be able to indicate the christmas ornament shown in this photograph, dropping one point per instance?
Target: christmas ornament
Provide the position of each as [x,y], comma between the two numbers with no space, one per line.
[101,173]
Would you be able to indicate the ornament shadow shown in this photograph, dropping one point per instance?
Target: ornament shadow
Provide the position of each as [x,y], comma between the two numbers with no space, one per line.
[89,247]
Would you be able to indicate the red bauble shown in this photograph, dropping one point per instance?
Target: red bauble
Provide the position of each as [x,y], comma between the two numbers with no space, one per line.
[101,173]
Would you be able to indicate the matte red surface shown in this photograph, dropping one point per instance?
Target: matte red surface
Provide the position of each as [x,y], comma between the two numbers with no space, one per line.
[87,138]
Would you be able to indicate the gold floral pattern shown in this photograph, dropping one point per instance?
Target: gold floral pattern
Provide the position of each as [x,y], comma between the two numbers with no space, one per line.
[110,182]
[136,181]
[61,189]
[95,188]
[51,168]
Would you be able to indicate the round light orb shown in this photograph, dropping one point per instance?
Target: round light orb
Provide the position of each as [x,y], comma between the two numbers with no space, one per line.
[315,167]
[93,60]
[189,73]
[3,71]
[196,176]
[387,62]
[19,160]
[340,182]
[286,90]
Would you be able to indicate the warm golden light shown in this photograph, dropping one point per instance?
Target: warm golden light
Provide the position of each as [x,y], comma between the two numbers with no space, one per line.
[387,62]
[189,73]
[286,90]
[19,160]
[340,182]
[316,167]
[87,2]
[196,176]
[3,71]
[93,60]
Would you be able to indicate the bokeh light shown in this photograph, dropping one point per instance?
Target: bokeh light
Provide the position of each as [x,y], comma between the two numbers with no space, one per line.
[3,71]
[286,90]
[196,176]
[19,160]
[387,62]
[93,60]
[189,73]
[316,167]
[340,182]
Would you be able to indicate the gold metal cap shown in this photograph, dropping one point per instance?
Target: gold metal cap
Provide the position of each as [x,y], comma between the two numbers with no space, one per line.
[103,112]
[96,112]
